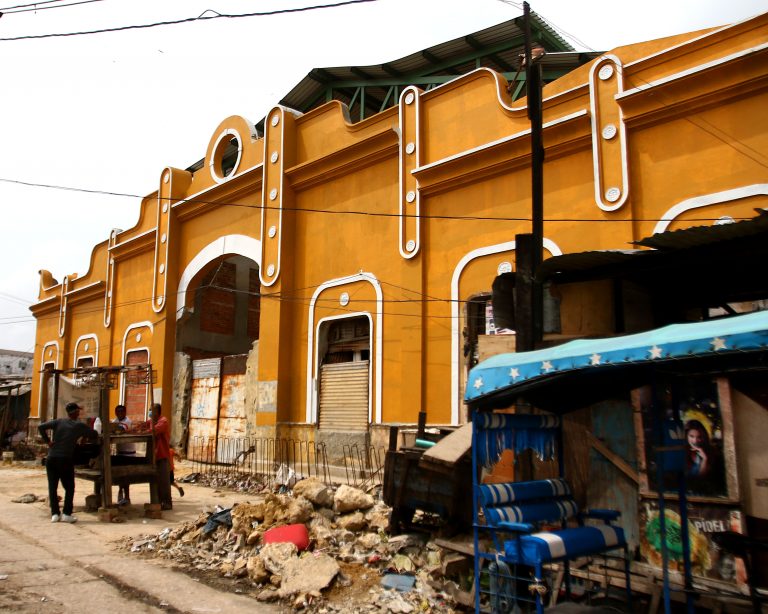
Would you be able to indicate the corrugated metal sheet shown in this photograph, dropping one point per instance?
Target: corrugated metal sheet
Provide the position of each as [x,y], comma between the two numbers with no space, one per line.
[204,409]
[705,235]
[232,423]
[344,389]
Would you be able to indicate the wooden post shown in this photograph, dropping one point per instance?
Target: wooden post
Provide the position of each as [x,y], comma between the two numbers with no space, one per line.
[106,444]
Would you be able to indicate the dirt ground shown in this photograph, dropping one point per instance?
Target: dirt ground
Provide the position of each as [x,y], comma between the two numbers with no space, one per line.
[62,569]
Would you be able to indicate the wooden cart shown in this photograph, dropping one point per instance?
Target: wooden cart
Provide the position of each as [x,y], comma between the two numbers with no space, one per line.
[105,473]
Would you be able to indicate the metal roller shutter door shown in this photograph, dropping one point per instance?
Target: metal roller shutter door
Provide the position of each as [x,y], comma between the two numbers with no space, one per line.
[344,396]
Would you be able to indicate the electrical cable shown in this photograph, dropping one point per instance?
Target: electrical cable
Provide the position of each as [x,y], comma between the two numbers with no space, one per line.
[354,211]
[20,6]
[46,8]
[203,17]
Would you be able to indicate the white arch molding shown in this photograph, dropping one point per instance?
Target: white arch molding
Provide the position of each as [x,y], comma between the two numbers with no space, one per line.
[94,354]
[488,250]
[376,327]
[50,345]
[756,189]
[241,245]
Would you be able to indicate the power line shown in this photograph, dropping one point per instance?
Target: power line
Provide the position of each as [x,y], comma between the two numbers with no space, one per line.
[487,218]
[19,6]
[203,17]
[37,8]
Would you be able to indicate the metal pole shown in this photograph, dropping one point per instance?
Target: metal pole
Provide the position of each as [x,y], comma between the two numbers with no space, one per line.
[533,81]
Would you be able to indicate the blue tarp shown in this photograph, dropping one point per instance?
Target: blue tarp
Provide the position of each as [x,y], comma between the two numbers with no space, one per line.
[736,334]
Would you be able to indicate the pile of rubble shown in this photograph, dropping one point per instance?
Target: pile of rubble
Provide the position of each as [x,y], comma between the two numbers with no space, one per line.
[318,549]
[239,482]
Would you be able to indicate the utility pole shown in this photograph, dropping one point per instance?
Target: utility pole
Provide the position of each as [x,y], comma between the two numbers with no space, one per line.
[529,304]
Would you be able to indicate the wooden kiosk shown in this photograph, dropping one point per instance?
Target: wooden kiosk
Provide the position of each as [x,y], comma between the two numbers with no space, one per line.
[105,473]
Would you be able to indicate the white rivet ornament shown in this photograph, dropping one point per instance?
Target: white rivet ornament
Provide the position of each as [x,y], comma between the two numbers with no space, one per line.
[606,72]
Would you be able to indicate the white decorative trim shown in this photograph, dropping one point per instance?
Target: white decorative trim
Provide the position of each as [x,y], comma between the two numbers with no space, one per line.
[212,162]
[501,141]
[230,244]
[126,351]
[82,289]
[376,333]
[500,100]
[63,306]
[44,362]
[110,281]
[151,231]
[95,354]
[163,224]
[409,197]
[606,197]
[756,189]
[274,169]
[692,71]
[489,250]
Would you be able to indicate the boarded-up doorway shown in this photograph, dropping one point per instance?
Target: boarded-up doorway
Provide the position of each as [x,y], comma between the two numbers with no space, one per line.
[345,380]
[217,414]
[344,396]
[135,399]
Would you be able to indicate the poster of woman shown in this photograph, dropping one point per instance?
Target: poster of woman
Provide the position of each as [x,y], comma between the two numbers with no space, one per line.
[700,414]
[692,405]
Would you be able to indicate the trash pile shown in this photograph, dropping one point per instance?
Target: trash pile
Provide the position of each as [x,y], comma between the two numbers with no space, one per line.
[317,549]
[234,481]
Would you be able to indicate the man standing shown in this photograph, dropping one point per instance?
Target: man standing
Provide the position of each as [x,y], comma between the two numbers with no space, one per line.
[60,465]
[126,452]
[162,432]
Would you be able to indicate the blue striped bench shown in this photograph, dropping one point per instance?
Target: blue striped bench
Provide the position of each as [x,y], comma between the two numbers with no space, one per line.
[521,507]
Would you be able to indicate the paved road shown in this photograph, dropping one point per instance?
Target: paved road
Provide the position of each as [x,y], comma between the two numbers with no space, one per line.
[62,569]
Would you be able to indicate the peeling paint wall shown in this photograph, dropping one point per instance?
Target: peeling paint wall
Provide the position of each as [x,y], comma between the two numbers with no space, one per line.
[182,389]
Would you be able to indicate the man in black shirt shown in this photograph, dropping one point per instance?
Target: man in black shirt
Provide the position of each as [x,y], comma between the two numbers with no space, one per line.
[60,464]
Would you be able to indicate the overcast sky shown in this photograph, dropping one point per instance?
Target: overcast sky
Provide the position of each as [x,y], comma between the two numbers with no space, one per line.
[109,111]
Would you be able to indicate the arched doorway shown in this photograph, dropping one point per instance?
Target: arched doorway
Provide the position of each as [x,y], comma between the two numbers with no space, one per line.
[345,376]
[217,329]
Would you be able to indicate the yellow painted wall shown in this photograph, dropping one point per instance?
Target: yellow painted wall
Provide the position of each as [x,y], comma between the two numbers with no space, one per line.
[690,115]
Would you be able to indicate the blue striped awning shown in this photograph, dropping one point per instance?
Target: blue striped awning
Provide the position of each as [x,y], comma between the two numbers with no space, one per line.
[720,337]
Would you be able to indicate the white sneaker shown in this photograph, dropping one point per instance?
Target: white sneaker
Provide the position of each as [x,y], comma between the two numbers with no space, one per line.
[68,518]
[55,518]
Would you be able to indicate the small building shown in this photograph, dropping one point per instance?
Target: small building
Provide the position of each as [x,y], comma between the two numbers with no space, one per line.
[15,364]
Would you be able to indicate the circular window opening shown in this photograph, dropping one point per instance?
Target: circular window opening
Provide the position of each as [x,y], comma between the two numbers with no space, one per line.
[226,156]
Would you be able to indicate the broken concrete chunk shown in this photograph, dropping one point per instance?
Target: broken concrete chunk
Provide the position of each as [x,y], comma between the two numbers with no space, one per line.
[406,540]
[256,570]
[349,499]
[312,572]
[275,556]
[315,491]
[402,563]
[243,516]
[268,594]
[393,602]
[28,498]
[369,541]
[351,522]
[253,537]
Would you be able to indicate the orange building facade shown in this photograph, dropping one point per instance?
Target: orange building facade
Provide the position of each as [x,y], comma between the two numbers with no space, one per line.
[354,262]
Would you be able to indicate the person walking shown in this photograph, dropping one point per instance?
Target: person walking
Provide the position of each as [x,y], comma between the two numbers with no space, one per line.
[162,431]
[60,465]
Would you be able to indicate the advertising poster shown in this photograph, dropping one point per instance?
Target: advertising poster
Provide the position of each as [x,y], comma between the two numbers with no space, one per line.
[707,559]
[693,404]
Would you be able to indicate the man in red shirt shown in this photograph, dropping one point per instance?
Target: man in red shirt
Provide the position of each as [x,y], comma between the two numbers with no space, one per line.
[162,431]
